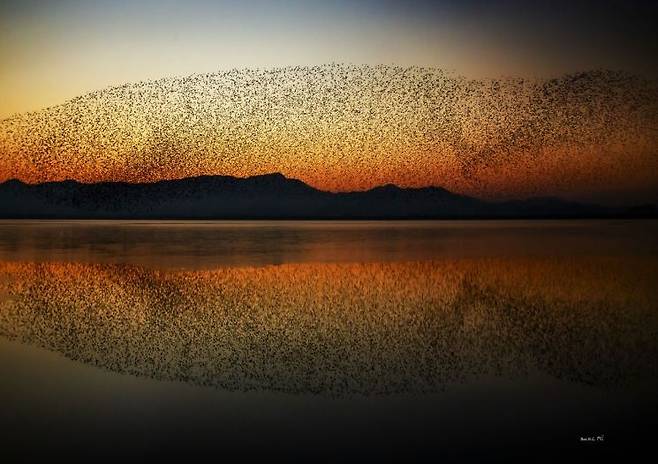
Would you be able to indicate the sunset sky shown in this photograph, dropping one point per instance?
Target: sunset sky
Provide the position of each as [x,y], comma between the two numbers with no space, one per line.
[597,137]
[54,50]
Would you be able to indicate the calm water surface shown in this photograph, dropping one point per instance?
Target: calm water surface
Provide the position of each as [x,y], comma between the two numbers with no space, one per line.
[336,340]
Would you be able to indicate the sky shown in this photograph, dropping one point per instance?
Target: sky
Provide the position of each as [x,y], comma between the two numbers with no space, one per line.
[51,51]
[249,87]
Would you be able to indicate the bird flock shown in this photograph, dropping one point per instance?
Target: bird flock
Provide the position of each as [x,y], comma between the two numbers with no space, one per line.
[345,328]
[348,127]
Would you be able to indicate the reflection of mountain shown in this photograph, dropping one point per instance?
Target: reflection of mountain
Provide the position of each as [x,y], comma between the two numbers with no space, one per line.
[343,328]
[269,196]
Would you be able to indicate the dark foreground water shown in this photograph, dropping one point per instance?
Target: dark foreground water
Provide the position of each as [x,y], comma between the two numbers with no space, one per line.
[328,341]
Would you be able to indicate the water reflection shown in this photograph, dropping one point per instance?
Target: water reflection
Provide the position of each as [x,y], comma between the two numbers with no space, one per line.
[252,243]
[338,328]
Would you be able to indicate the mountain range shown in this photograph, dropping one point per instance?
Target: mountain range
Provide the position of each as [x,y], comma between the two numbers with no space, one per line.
[272,196]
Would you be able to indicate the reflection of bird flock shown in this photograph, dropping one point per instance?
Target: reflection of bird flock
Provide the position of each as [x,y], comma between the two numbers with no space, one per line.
[336,126]
[343,328]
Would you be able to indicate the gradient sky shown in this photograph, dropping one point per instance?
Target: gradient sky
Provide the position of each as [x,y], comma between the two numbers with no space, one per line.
[244,94]
[51,51]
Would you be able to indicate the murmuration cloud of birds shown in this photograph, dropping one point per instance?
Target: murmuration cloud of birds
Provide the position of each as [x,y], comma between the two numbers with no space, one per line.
[339,127]
[340,329]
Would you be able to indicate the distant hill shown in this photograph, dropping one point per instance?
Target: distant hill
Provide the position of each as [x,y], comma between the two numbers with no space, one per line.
[272,196]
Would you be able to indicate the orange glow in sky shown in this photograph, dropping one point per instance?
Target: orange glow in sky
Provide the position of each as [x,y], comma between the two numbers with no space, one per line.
[344,127]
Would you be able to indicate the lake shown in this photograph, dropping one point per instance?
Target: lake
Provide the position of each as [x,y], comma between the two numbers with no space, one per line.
[327,341]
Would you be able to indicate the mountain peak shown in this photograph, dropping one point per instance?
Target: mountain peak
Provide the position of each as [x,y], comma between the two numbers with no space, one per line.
[386,188]
[271,175]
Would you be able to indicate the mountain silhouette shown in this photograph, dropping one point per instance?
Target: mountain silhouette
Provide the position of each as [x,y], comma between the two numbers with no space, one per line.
[271,196]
